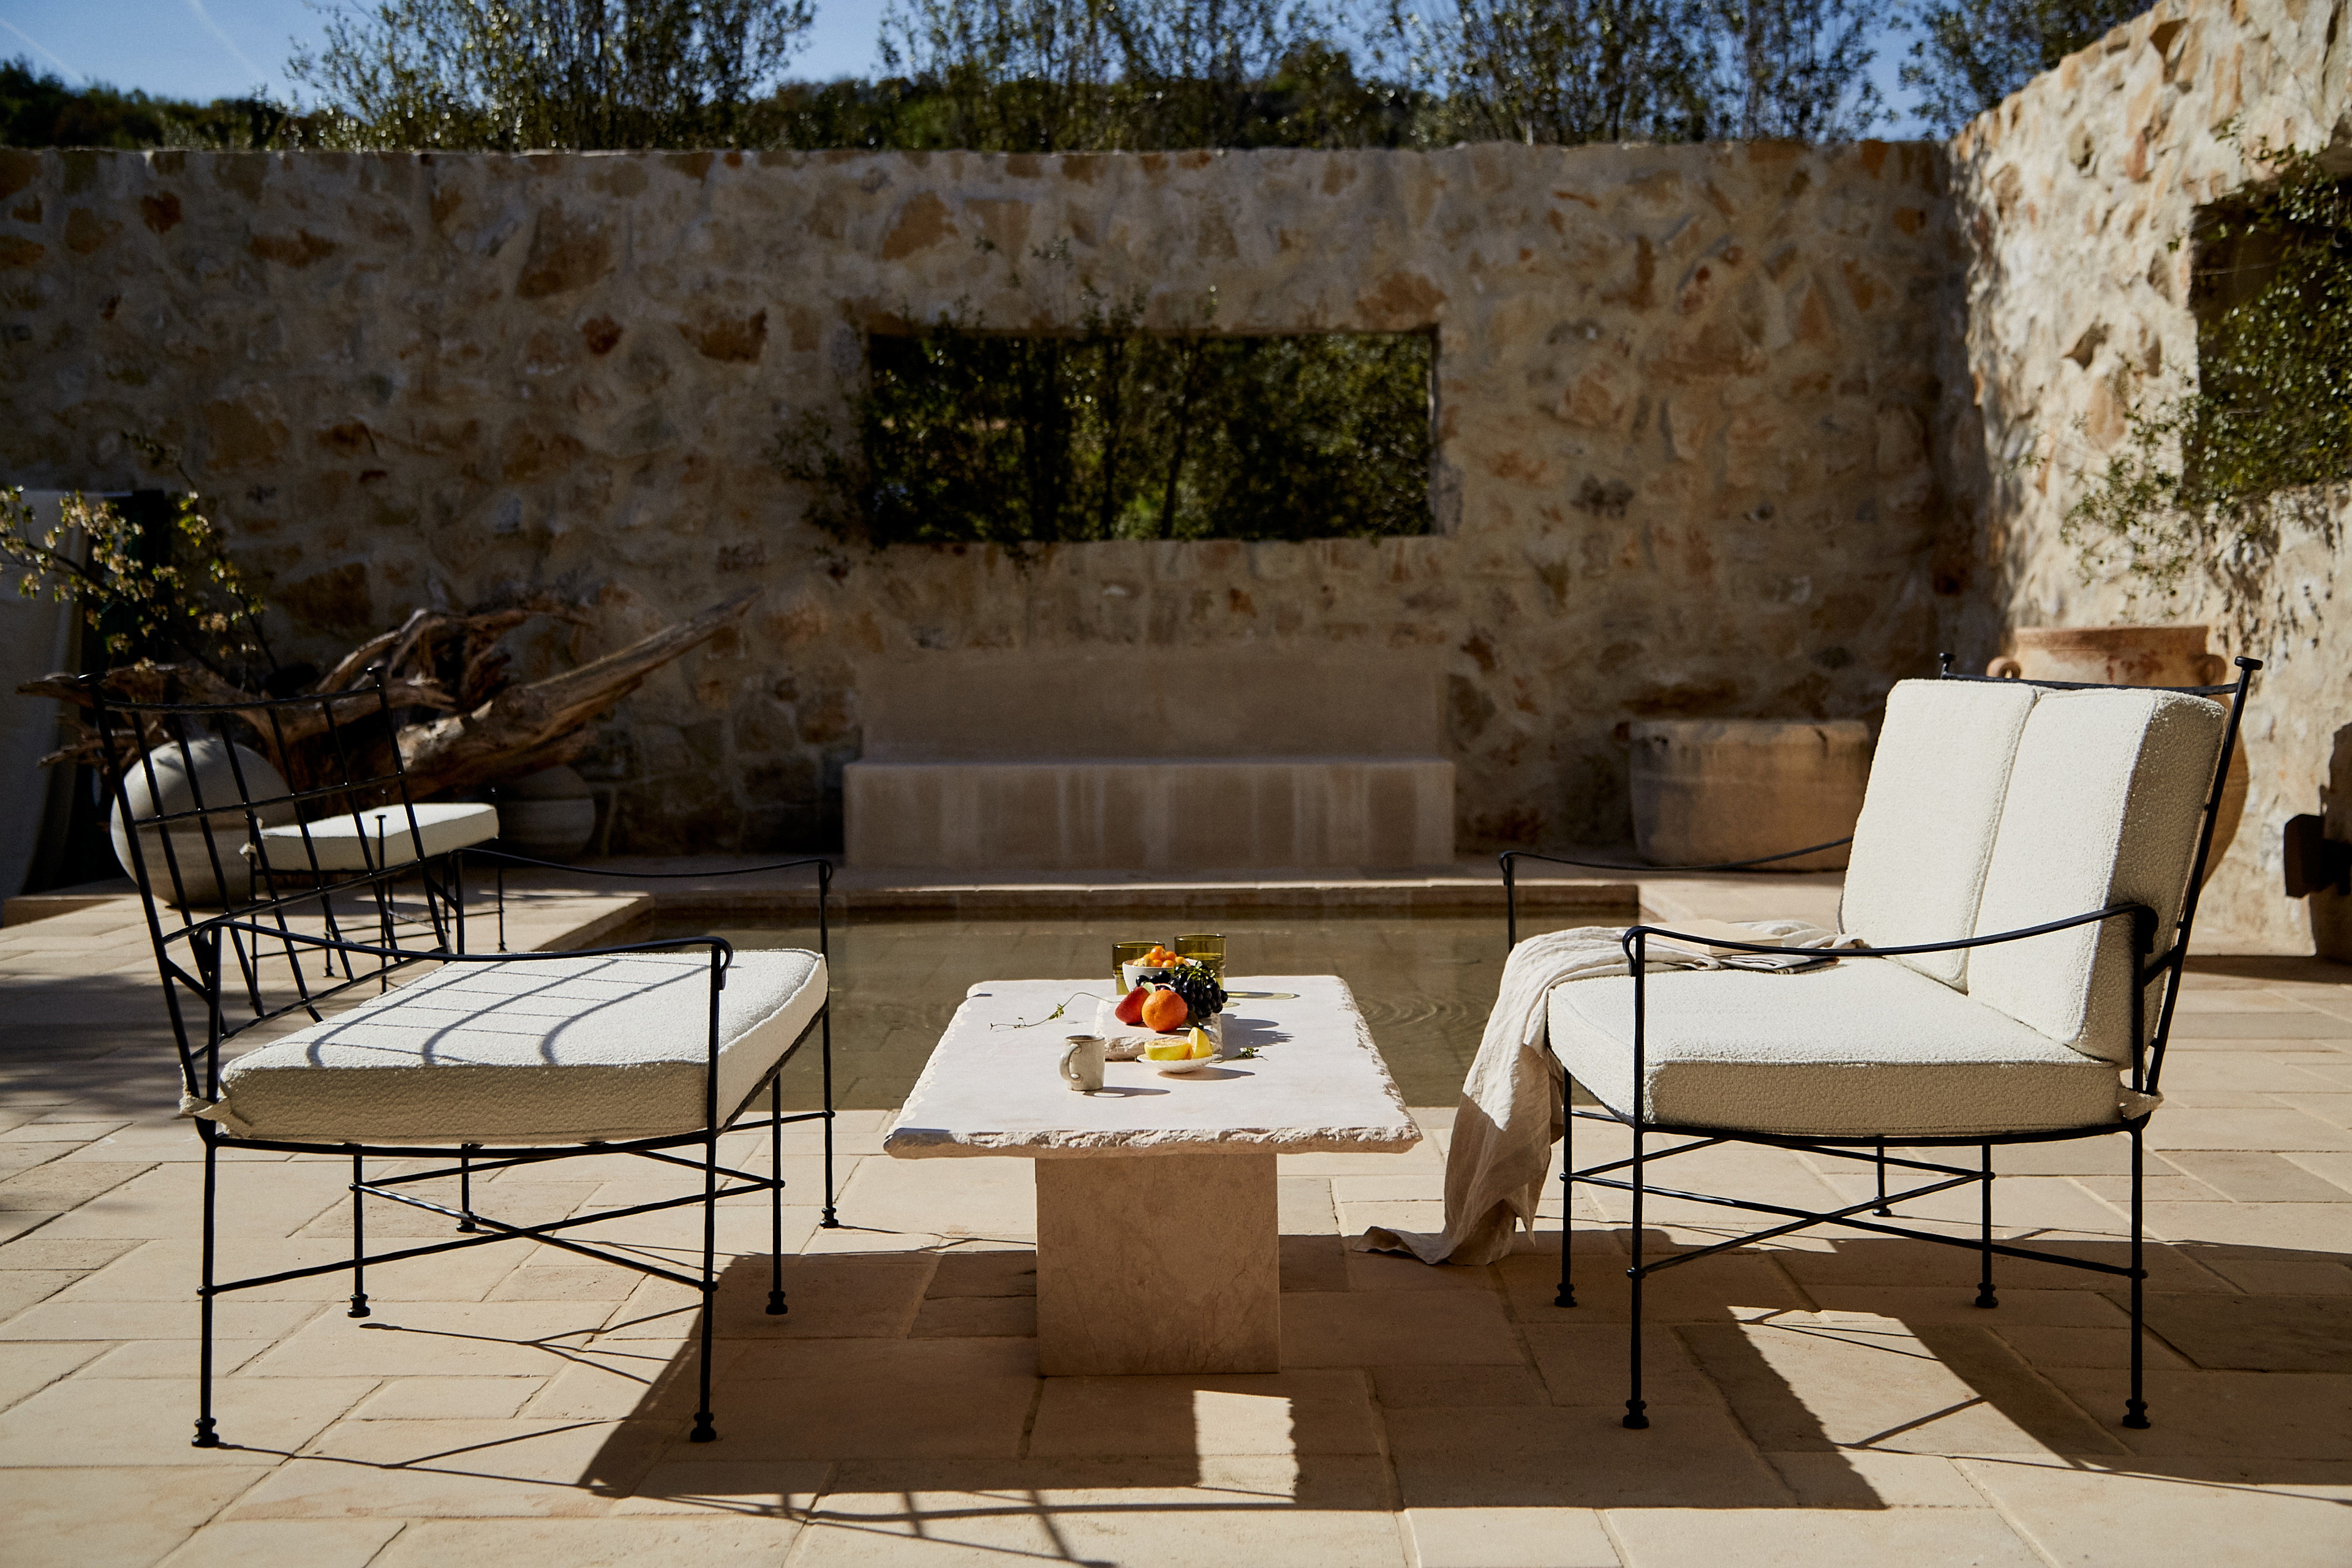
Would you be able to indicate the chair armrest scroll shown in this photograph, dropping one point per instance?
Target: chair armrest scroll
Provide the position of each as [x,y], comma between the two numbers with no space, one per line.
[2143,921]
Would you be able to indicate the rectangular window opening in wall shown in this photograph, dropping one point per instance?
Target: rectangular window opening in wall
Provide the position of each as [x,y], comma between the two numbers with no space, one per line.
[2271,287]
[963,436]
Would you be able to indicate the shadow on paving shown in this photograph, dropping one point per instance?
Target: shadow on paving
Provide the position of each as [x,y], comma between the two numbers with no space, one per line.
[1480,1393]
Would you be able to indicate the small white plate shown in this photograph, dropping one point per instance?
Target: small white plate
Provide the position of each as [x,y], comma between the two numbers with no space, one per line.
[1176,1069]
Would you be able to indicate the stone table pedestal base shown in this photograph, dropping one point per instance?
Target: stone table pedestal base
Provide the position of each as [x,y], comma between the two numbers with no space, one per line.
[1158,1263]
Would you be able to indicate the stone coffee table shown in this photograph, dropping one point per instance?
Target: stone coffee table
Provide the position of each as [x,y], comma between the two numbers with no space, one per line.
[1158,1245]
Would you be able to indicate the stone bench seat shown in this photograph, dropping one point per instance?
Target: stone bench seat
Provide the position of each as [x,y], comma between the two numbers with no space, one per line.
[1234,758]
[1152,812]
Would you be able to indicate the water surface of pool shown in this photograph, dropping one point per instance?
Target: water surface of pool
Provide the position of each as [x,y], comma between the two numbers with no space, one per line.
[1424,983]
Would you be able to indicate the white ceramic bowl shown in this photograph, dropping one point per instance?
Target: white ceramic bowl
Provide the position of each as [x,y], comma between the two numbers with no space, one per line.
[1144,974]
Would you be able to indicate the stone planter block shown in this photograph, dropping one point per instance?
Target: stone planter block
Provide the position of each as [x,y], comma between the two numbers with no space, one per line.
[1711,790]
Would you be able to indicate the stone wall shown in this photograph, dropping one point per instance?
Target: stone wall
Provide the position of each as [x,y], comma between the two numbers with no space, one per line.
[2077,196]
[1683,404]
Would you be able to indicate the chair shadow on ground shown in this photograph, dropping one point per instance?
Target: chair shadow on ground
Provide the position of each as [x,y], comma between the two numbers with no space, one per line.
[904,1384]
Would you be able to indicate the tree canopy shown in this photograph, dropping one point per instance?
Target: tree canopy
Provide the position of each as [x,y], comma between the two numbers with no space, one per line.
[1033,76]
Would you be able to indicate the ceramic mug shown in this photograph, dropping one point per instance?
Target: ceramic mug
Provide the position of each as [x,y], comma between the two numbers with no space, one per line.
[1082,1064]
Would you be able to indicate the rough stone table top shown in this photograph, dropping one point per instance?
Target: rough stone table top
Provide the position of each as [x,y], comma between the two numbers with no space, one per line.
[1317,1084]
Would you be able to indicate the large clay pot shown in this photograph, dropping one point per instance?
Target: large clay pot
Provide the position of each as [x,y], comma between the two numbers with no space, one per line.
[225,817]
[2134,656]
[548,815]
[1708,790]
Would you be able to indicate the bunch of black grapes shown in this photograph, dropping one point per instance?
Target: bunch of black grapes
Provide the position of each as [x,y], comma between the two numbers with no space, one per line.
[1203,997]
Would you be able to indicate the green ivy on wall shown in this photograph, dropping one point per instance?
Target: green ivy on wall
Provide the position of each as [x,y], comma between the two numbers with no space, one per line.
[964,436]
[2197,478]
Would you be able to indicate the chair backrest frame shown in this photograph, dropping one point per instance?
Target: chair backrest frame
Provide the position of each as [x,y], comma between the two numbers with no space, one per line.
[320,738]
[2147,1046]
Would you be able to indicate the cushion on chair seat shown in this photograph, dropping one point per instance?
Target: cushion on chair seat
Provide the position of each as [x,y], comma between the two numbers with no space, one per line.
[1866,1049]
[379,837]
[521,1052]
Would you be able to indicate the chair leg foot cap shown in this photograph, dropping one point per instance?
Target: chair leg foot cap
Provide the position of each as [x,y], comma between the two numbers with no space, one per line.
[776,1307]
[704,1432]
[360,1308]
[1987,1299]
[1565,1298]
[829,1222]
[1634,1420]
[2136,1415]
[206,1436]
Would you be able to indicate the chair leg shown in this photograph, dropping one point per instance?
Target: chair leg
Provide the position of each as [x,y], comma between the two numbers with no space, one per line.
[358,1238]
[1881,1210]
[704,1432]
[466,1186]
[824,1049]
[2136,1407]
[1635,1405]
[1985,1298]
[206,1436]
[776,1307]
[1567,1296]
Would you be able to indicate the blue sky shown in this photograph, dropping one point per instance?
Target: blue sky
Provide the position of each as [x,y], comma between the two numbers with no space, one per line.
[220,48]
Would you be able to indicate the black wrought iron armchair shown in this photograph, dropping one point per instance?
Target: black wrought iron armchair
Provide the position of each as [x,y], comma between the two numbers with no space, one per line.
[2029,1023]
[270,838]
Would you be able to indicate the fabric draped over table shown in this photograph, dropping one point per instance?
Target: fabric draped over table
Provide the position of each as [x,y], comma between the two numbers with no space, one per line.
[1513,1106]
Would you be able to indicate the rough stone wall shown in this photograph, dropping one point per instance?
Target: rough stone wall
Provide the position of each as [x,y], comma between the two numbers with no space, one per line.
[2077,196]
[1683,409]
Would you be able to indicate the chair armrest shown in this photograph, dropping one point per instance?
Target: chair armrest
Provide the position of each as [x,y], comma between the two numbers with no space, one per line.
[824,876]
[721,948]
[1509,856]
[2143,921]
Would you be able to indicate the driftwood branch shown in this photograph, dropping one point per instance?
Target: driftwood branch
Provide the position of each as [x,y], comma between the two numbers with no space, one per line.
[489,734]
[521,723]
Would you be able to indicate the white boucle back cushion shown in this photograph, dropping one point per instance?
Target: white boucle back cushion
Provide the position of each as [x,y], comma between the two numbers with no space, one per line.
[1926,833]
[2103,807]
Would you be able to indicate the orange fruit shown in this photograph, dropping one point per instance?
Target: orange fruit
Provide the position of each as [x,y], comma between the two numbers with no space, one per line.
[1164,1010]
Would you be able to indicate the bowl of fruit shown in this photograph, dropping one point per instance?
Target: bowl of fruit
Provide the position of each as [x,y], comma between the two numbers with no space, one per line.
[1167,993]
[1186,1051]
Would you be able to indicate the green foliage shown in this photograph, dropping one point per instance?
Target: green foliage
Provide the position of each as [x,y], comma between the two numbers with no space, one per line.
[965,435]
[506,75]
[1048,76]
[1969,55]
[2196,477]
[37,109]
[144,596]
[1571,71]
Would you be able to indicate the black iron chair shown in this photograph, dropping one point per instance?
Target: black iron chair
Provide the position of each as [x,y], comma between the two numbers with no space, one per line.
[1999,1066]
[504,1059]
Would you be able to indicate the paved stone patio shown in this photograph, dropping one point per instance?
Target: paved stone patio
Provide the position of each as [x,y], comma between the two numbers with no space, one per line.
[1826,1400]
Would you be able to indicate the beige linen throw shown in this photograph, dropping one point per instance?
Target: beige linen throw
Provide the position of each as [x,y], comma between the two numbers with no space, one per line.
[1511,1111]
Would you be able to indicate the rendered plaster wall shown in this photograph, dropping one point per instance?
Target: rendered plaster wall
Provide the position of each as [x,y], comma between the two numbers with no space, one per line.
[1684,403]
[2077,195]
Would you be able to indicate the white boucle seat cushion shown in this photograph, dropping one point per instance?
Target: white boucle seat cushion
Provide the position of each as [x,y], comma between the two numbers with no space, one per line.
[1925,836]
[375,838]
[2105,804]
[519,1052]
[1862,1049]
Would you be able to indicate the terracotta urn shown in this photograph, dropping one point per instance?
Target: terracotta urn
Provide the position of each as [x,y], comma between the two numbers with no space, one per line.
[2134,656]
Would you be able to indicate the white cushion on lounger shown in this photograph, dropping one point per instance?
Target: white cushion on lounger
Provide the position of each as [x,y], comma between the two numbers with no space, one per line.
[2103,809]
[336,840]
[1926,833]
[538,1051]
[1863,1049]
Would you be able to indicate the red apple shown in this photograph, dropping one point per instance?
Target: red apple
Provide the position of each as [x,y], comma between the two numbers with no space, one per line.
[1131,1007]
